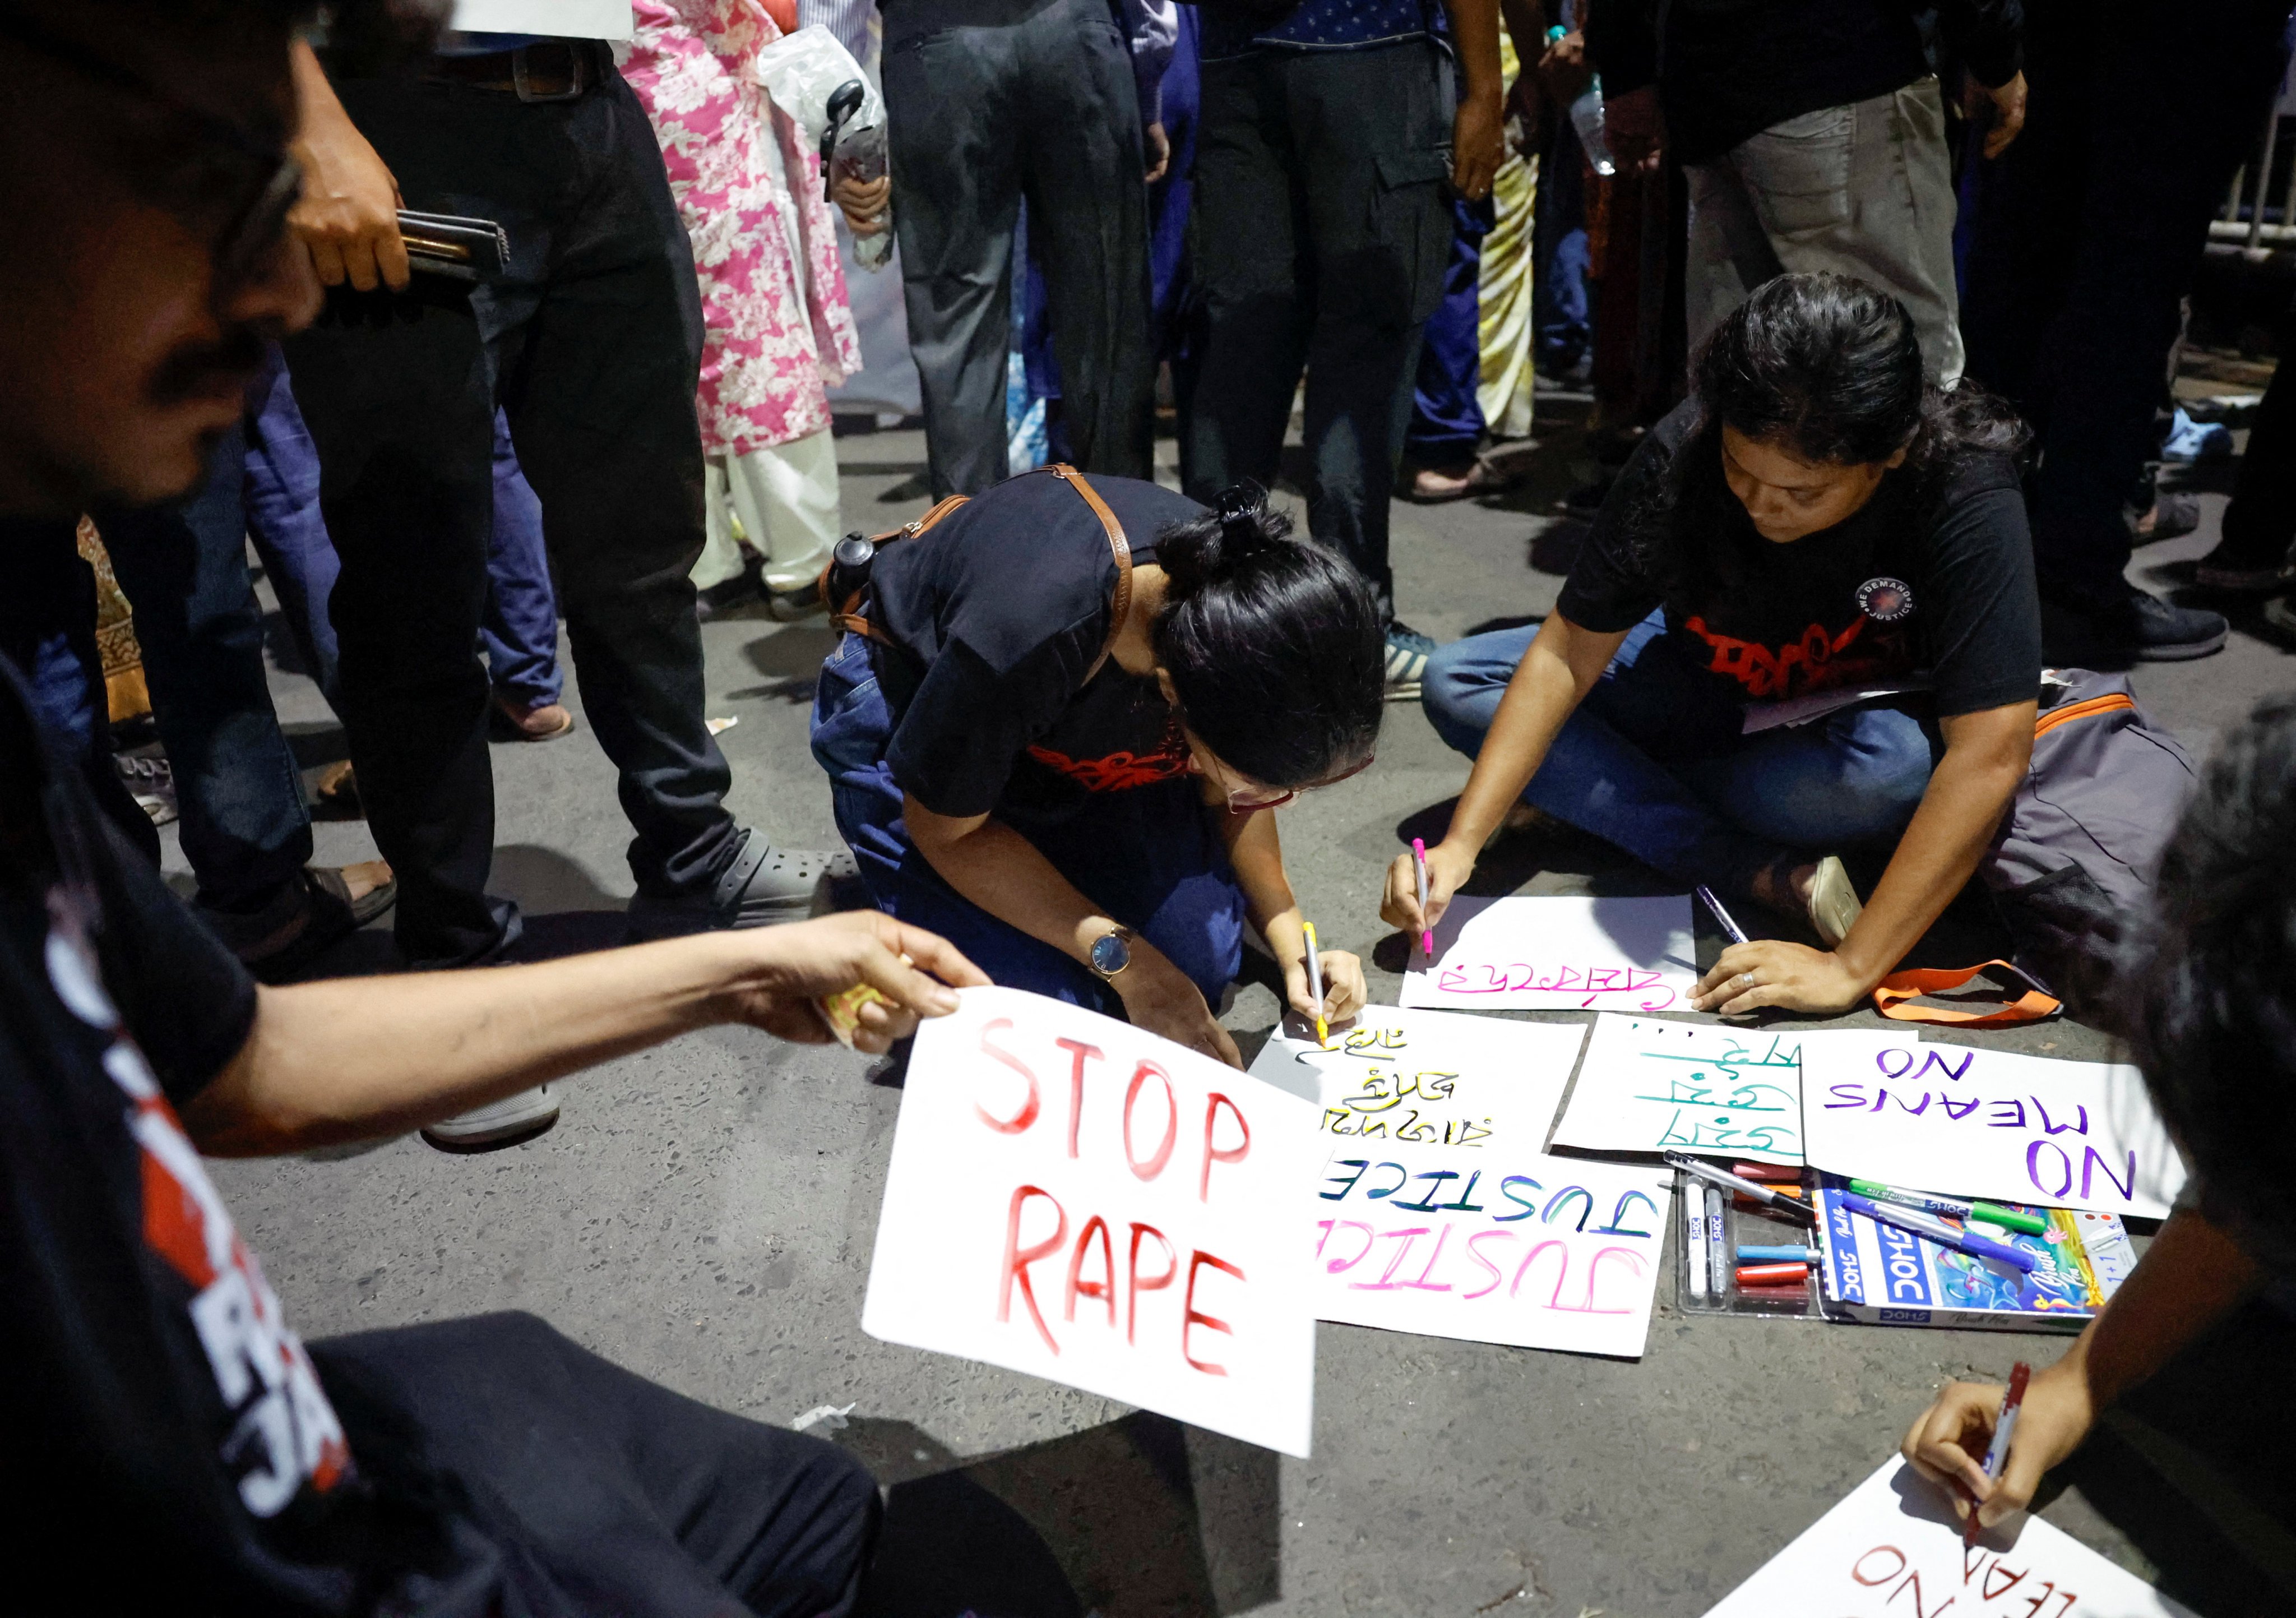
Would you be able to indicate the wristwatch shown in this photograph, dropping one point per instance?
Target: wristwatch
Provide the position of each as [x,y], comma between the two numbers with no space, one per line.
[1111,953]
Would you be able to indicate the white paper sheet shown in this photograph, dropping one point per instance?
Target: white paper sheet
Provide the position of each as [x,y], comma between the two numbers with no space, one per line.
[1893,1549]
[1074,1198]
[1658,1084]
[1433,1078]
[573,19]
[1557,954]
[1955,1120]
[1516,1247]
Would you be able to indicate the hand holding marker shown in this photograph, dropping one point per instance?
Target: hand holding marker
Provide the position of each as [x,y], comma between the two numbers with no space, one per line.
[1997,1453]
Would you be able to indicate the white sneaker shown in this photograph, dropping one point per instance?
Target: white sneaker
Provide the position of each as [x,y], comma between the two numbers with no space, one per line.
[501,1124]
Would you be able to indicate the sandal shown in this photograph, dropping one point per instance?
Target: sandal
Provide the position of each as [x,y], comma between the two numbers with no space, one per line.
[311,910]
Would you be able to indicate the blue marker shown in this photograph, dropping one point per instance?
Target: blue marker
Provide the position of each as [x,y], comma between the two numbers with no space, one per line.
[1706,897]
[1943,1235]
[1777,1256]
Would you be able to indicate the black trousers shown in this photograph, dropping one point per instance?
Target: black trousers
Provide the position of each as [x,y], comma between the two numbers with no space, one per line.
[598,1491]
[593,345]
[2085,234]
[989,101]
[1322,227]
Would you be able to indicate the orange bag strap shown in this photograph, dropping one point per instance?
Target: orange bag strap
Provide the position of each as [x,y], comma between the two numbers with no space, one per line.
[1892,995]
[847,615]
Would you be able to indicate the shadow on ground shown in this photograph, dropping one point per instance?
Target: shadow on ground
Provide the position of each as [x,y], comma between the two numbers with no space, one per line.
[1140,1516]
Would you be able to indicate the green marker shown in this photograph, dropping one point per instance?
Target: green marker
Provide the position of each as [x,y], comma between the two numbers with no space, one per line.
[1991,1213]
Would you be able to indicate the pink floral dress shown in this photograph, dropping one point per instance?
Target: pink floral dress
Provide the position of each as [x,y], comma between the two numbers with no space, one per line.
[778,329]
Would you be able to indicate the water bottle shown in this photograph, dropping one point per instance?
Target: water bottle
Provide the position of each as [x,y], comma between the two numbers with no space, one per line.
[1586,118]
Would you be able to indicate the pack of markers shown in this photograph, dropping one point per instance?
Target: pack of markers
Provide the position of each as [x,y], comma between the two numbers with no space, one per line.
[2013,1278]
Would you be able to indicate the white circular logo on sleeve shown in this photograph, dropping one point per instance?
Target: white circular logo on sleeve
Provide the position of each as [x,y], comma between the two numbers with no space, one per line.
[1885,600]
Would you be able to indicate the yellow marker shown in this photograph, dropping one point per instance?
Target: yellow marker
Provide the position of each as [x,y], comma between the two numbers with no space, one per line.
[841,1011]
[1315,983]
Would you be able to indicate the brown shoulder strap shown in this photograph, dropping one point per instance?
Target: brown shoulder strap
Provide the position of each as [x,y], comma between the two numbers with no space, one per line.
[1118,546]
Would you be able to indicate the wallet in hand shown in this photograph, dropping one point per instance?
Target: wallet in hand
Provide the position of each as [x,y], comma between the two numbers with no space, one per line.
[440,244]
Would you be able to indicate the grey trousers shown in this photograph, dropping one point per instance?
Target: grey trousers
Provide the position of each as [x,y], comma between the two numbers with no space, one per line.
[1862,190]
[989,101]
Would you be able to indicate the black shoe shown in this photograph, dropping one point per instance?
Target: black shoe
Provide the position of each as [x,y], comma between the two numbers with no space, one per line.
[2226,569]
[760,886]
[2156,631]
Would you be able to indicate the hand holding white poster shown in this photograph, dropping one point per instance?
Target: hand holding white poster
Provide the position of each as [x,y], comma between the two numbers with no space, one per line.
[1074,1198]
[1961,1121]
[1557,954]
[1432,1078]
[1516,1247]
[1658,1084]
[1892,1548]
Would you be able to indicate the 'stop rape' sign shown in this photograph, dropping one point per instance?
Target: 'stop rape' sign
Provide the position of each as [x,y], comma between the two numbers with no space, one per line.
[1074,1198]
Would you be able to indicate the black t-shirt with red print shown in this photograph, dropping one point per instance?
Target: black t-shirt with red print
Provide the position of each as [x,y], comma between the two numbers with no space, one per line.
[1934,578]
[1000,608]
[171,1444]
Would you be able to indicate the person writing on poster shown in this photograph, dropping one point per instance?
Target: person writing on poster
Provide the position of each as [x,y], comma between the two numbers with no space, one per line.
[1815,516]
[2210,999]
[1065,729]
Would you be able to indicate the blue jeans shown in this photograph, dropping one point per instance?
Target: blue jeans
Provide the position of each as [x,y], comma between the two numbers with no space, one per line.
[1446,411]
[1151,858]
[1654,762]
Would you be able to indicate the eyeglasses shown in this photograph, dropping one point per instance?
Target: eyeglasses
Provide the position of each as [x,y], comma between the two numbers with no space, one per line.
[231,187]
[1249,800]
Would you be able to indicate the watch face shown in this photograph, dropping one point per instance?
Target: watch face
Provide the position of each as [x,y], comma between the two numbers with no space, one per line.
[1110,954]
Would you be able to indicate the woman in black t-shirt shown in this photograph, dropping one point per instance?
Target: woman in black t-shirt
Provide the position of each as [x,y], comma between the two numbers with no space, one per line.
[1815,521]
[1065,731]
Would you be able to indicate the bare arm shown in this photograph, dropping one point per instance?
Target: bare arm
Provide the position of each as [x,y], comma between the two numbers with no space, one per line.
[358,1057]
[1556,673]
[1002,872]
[2192,1277]
[1258,855]
[1986,754]
[1477,144]
[347,215]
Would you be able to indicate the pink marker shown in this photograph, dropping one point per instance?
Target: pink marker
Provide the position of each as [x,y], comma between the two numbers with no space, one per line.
[1419,858]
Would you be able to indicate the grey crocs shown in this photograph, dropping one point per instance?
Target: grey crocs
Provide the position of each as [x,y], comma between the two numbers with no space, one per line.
[761,886]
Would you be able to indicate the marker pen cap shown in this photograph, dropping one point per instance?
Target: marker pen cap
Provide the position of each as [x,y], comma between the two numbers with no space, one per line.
[1799,1293]
[1767,1173]
[1773,1274]
[1777,1256]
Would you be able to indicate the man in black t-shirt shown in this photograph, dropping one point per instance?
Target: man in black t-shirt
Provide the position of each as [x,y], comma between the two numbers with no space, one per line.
[183,1449]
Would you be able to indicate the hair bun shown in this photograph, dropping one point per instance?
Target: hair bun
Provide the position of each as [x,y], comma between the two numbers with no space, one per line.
[1220,546]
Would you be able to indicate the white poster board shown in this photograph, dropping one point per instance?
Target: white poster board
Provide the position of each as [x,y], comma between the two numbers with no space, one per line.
[1955,1120]
[1658,1084]
[1074,1198]
[1513,1247]
[1892,1548]
[1557,954]
[1429,1078]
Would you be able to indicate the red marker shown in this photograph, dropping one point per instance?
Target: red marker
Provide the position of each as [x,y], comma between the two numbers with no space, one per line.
[1997,1453]
[1419,858]
[1770,1174]
[1773,1274]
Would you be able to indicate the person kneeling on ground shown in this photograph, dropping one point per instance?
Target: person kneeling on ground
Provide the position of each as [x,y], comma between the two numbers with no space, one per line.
[1815,516]
[2210,1000]
[1062,738]
[191,1454]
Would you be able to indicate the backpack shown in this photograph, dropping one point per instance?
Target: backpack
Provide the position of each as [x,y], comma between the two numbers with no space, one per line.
[2077,853]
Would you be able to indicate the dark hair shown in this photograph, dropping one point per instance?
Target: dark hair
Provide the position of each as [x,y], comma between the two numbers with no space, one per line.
[1274,644]
[1829,368]
[2211,981]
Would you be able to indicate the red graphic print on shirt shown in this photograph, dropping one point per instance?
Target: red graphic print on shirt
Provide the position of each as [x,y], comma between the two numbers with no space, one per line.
[1118,772]
[1818,661]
